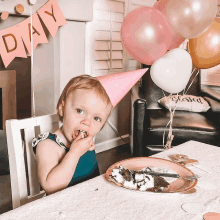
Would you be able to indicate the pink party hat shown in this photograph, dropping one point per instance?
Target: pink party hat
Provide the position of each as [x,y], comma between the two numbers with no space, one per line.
[117,85]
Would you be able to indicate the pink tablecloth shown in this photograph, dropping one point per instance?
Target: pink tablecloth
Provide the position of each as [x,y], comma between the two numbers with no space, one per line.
[98,199]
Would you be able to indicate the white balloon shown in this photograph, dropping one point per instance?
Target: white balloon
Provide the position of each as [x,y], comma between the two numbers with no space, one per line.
[172,71]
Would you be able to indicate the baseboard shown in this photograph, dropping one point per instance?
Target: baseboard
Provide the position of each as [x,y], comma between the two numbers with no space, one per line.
[115,142]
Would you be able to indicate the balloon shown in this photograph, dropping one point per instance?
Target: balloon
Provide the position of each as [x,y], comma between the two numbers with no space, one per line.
[176,39]
[145,34]
[190,18]
[205,49]
[172,71]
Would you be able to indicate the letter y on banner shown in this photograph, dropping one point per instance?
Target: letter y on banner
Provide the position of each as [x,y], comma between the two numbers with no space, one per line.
[11,45]
[52,16]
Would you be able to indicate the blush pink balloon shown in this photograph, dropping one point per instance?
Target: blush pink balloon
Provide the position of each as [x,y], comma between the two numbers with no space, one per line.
[176,39]
[191,18]
[145,34]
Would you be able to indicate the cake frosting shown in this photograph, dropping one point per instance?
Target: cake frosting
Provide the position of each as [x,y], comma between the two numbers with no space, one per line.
[138,180]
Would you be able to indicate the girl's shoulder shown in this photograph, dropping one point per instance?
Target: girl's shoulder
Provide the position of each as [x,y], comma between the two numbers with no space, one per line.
[49,140]
[40,137]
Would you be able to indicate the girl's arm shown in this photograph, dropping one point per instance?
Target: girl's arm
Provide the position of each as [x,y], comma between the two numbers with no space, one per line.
[55,168]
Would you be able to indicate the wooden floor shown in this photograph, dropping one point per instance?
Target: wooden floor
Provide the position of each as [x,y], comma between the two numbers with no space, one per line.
[107,158]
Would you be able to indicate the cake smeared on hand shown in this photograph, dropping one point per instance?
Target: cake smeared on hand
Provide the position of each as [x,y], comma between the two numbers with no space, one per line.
[138,180]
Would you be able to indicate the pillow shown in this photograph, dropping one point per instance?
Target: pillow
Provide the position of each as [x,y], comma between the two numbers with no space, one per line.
[185,103]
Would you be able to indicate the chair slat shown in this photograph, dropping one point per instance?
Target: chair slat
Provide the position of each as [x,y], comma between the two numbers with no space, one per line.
[34,185]
[40,120]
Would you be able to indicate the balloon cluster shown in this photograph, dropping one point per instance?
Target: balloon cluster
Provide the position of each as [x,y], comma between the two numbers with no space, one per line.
[152,35]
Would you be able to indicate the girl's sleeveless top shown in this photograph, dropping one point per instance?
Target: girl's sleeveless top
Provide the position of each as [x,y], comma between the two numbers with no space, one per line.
[87,166]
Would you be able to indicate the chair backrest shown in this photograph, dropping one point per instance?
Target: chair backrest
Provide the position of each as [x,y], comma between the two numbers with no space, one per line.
[152,93]
[25,186]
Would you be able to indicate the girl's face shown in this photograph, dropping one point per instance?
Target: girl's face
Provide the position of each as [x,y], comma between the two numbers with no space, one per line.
[83,110]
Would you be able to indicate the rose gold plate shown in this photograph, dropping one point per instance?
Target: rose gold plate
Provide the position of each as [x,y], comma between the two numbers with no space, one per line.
[138,163]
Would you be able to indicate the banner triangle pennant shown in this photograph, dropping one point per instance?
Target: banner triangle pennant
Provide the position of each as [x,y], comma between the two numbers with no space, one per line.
[37,31]
[11,45]
[52,16]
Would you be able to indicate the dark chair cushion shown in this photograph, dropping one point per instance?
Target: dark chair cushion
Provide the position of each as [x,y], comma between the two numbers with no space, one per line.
[186,126]
[4,163]
[158,118]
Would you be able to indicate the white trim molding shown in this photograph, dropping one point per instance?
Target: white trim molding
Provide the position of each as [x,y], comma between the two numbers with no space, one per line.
[112,143]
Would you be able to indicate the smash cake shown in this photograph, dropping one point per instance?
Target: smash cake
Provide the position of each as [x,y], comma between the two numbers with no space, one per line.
[139,180]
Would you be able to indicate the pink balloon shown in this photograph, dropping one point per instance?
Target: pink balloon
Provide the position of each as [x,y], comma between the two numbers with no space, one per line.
[145,34]
[176,39]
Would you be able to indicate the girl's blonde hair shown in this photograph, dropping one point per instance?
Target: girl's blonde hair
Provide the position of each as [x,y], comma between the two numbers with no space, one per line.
[83,82]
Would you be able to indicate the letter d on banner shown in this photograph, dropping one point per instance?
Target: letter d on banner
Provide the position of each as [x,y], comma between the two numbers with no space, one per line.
[11,45]
[6,44]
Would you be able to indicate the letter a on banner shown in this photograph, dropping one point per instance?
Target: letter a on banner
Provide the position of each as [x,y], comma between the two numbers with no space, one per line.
[52,16]
[11,45]
[37,31]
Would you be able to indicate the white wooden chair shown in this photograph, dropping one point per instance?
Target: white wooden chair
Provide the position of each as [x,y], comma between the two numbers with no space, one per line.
[23,168]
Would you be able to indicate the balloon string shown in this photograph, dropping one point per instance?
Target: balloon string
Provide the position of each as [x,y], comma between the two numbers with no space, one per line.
[32,66]
[184,44]
[170,122]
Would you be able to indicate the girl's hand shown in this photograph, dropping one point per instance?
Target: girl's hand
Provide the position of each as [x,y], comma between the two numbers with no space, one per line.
[82,145]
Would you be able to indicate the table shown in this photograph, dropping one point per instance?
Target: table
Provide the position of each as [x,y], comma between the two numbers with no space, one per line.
[98,199]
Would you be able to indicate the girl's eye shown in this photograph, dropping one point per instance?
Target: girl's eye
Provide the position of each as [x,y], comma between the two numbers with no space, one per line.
[79,111]
[97,119]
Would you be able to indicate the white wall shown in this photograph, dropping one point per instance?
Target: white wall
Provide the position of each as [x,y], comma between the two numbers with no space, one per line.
[211,76]
[72,51]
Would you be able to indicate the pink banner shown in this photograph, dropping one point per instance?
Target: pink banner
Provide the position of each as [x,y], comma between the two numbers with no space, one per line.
[11,45]
[37,31]
[52,16]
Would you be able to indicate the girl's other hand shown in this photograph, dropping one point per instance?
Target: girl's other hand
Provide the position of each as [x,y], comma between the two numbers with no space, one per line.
[82,145]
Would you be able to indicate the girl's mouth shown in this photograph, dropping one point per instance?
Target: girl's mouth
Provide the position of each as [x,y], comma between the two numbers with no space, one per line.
[84,133]
[76,133]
